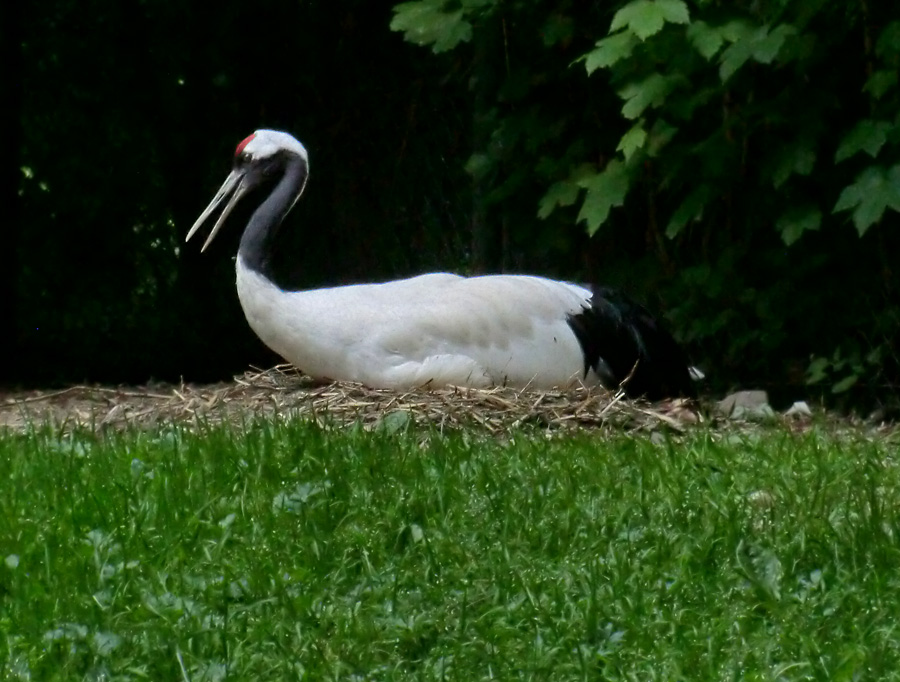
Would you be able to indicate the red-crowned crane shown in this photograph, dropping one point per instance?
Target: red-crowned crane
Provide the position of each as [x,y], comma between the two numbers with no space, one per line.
[435,329]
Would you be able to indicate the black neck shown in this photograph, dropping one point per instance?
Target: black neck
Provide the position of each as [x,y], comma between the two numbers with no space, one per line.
[280,194]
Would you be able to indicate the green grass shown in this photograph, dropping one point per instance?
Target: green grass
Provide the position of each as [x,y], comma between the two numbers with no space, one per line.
[284,551]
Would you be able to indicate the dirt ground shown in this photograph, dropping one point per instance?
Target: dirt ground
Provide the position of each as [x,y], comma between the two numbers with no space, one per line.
[283,391]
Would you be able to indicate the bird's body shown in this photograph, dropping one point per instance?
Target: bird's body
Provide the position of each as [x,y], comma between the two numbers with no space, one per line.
[435,329]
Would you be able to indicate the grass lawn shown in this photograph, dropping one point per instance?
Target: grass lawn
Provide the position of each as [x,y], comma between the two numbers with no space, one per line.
[285,551]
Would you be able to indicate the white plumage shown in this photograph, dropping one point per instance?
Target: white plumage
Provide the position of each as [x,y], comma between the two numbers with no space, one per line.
[435,329]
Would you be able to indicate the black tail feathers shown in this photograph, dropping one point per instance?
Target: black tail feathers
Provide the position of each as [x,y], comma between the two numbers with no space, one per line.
[619,337]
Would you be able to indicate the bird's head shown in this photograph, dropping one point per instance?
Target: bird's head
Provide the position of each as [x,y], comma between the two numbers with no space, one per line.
[258,159]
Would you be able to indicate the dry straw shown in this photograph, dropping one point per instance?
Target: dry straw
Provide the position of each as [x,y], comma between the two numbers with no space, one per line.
[284,392]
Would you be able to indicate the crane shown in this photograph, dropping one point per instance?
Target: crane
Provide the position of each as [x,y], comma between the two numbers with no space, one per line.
[434,329]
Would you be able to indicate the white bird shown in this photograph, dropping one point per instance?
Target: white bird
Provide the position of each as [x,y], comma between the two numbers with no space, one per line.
[435,329]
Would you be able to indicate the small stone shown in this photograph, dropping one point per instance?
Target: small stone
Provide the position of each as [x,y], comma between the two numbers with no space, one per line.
[746,405]
[799,409]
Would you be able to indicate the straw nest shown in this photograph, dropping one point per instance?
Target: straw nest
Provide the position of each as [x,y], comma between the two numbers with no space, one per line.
[284,392]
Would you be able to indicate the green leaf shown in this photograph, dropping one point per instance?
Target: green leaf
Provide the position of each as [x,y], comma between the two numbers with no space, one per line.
[610,50]
[605,190]
[425,22]
[888,43]
[660,135]
[868,136]
[873,357]
[479,165]
[705,39]
[651,91]
[674,11]
[393,421]
[845,384]
[799,158]
[565,192]
[874,191]
[737,30]
[757,44]
[734,57]
[817,370]
[562,193]
[880,82]
[690,209]
[633,140]
[767,47]
[796,221]
[646,18]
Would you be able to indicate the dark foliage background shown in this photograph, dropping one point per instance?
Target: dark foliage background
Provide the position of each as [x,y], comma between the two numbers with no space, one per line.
[129,117]
[735,163]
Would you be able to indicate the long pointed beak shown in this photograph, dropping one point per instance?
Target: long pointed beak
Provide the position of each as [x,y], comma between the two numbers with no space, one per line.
[231,187]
